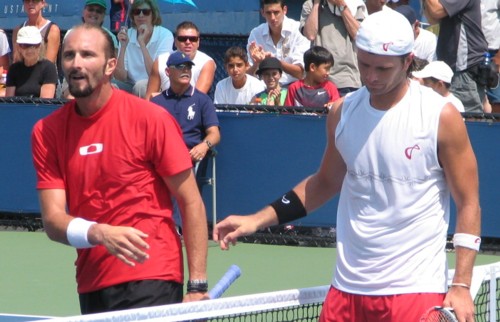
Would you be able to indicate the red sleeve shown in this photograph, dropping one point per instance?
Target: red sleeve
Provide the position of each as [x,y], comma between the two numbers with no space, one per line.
[290,95]
[45,157]
[333,91]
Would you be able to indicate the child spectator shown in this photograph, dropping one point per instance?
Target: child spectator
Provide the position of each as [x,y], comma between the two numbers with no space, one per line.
[239,87]
[32,76]
[140,46]
[315,90]
[270,72]
[51,34]
[437,75]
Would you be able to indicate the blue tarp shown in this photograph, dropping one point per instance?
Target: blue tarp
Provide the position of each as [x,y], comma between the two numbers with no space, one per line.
[260,157]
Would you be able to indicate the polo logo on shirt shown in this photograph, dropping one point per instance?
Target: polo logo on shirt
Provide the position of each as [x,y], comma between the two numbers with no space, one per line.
[191,112]
[91,149]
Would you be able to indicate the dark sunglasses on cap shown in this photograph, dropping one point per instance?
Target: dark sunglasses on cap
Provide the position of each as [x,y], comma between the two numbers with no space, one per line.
[145,12]
[26,46]
[186,38]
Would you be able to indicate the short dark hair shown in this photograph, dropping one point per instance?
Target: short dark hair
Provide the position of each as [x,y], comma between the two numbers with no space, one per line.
[266,2]
[187,25]
[235,51]
[317,55]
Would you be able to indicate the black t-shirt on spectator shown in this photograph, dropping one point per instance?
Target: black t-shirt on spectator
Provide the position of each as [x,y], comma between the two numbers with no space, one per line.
[29,80]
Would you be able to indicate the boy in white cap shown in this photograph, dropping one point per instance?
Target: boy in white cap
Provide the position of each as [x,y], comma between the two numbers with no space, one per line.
[437,75]
[395,152]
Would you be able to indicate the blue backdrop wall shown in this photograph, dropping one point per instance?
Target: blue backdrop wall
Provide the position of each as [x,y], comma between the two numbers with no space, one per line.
[260,157]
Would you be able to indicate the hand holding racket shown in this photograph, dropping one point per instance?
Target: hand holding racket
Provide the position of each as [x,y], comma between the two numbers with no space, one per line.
[439,314]
[223,284]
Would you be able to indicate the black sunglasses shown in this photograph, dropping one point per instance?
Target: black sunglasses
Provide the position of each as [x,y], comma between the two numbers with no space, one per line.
[186,38]
[182,66]
[145,12]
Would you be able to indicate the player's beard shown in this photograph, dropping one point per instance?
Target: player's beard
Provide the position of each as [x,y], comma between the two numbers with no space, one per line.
[88,88]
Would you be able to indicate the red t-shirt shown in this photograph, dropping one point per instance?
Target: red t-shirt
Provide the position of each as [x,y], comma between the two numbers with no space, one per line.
[111,165]
[300,94]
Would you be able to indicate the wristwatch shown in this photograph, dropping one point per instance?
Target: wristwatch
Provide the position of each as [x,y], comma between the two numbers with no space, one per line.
[209,144]
[341,8]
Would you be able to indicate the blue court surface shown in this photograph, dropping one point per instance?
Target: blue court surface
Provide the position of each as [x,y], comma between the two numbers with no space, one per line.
[21,318]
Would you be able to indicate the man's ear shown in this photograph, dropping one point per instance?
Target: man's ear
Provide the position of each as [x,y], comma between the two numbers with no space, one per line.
[167,71]
[110,66]
[285,10]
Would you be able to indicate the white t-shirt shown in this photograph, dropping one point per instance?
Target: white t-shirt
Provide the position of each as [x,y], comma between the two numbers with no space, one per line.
[425,45]
[225,93]
[394,206]
[290,48]
[161,42]
[490,22]
[200,59]
[456,102]
[4,44]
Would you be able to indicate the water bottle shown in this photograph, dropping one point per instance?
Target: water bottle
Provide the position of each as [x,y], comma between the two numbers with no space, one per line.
[3,80]
[485,69]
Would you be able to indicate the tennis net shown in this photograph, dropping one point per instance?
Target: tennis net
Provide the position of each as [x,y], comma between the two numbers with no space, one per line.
[298,305]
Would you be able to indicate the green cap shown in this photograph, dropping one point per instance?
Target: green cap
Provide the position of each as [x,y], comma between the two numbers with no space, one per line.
[101,3]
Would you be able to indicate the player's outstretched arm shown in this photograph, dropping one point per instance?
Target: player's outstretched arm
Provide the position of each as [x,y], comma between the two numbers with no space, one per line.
[307,196]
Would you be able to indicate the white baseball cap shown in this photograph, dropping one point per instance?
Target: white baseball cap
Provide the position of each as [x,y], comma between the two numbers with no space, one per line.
[436,69]
[29,35]
[387,33]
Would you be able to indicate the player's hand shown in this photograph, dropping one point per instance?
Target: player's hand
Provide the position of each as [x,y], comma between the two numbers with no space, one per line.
[227,231]
[191,297]
[126,243]
[460,300]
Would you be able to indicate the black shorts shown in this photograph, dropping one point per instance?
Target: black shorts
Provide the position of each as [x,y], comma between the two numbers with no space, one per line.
[131,295]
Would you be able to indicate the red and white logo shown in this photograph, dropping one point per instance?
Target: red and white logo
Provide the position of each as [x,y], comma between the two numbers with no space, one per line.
[91,149]
[409,151]
[386,45]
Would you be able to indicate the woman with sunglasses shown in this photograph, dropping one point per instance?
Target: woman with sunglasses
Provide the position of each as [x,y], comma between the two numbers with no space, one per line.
[32,76]
[51,34]
[140,45]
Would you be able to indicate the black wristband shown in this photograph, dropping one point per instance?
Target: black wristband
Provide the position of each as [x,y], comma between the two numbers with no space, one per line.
[197,286]
[289,207]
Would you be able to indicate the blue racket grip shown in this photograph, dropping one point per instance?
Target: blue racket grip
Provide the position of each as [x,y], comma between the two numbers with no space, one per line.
[223,284]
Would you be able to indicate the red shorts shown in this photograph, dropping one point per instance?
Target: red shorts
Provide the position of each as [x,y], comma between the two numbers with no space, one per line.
[345,307]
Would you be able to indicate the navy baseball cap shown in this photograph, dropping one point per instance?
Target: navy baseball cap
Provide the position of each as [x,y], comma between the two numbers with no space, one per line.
[408,12]
[178,58]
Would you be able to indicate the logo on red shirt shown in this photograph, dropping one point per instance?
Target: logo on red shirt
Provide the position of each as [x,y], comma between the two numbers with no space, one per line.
[91,149]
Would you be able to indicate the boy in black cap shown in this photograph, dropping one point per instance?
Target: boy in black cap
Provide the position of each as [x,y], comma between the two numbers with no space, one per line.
[270,72]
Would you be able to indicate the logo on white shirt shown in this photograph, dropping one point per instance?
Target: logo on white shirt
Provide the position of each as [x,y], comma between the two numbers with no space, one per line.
[409,151]
[91,149]
[191,112]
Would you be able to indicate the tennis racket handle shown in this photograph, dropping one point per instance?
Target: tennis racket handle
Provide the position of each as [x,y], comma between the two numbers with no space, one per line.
[223,284]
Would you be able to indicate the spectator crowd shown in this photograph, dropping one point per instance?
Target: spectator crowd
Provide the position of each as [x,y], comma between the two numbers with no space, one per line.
[143,47]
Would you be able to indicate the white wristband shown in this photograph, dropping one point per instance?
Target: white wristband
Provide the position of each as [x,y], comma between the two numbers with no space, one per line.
[467,241]
[77,233]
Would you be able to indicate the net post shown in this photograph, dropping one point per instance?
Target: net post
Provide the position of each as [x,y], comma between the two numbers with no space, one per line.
[493,293]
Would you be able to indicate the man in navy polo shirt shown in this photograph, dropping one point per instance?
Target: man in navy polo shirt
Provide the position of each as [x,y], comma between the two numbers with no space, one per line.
[193,110]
